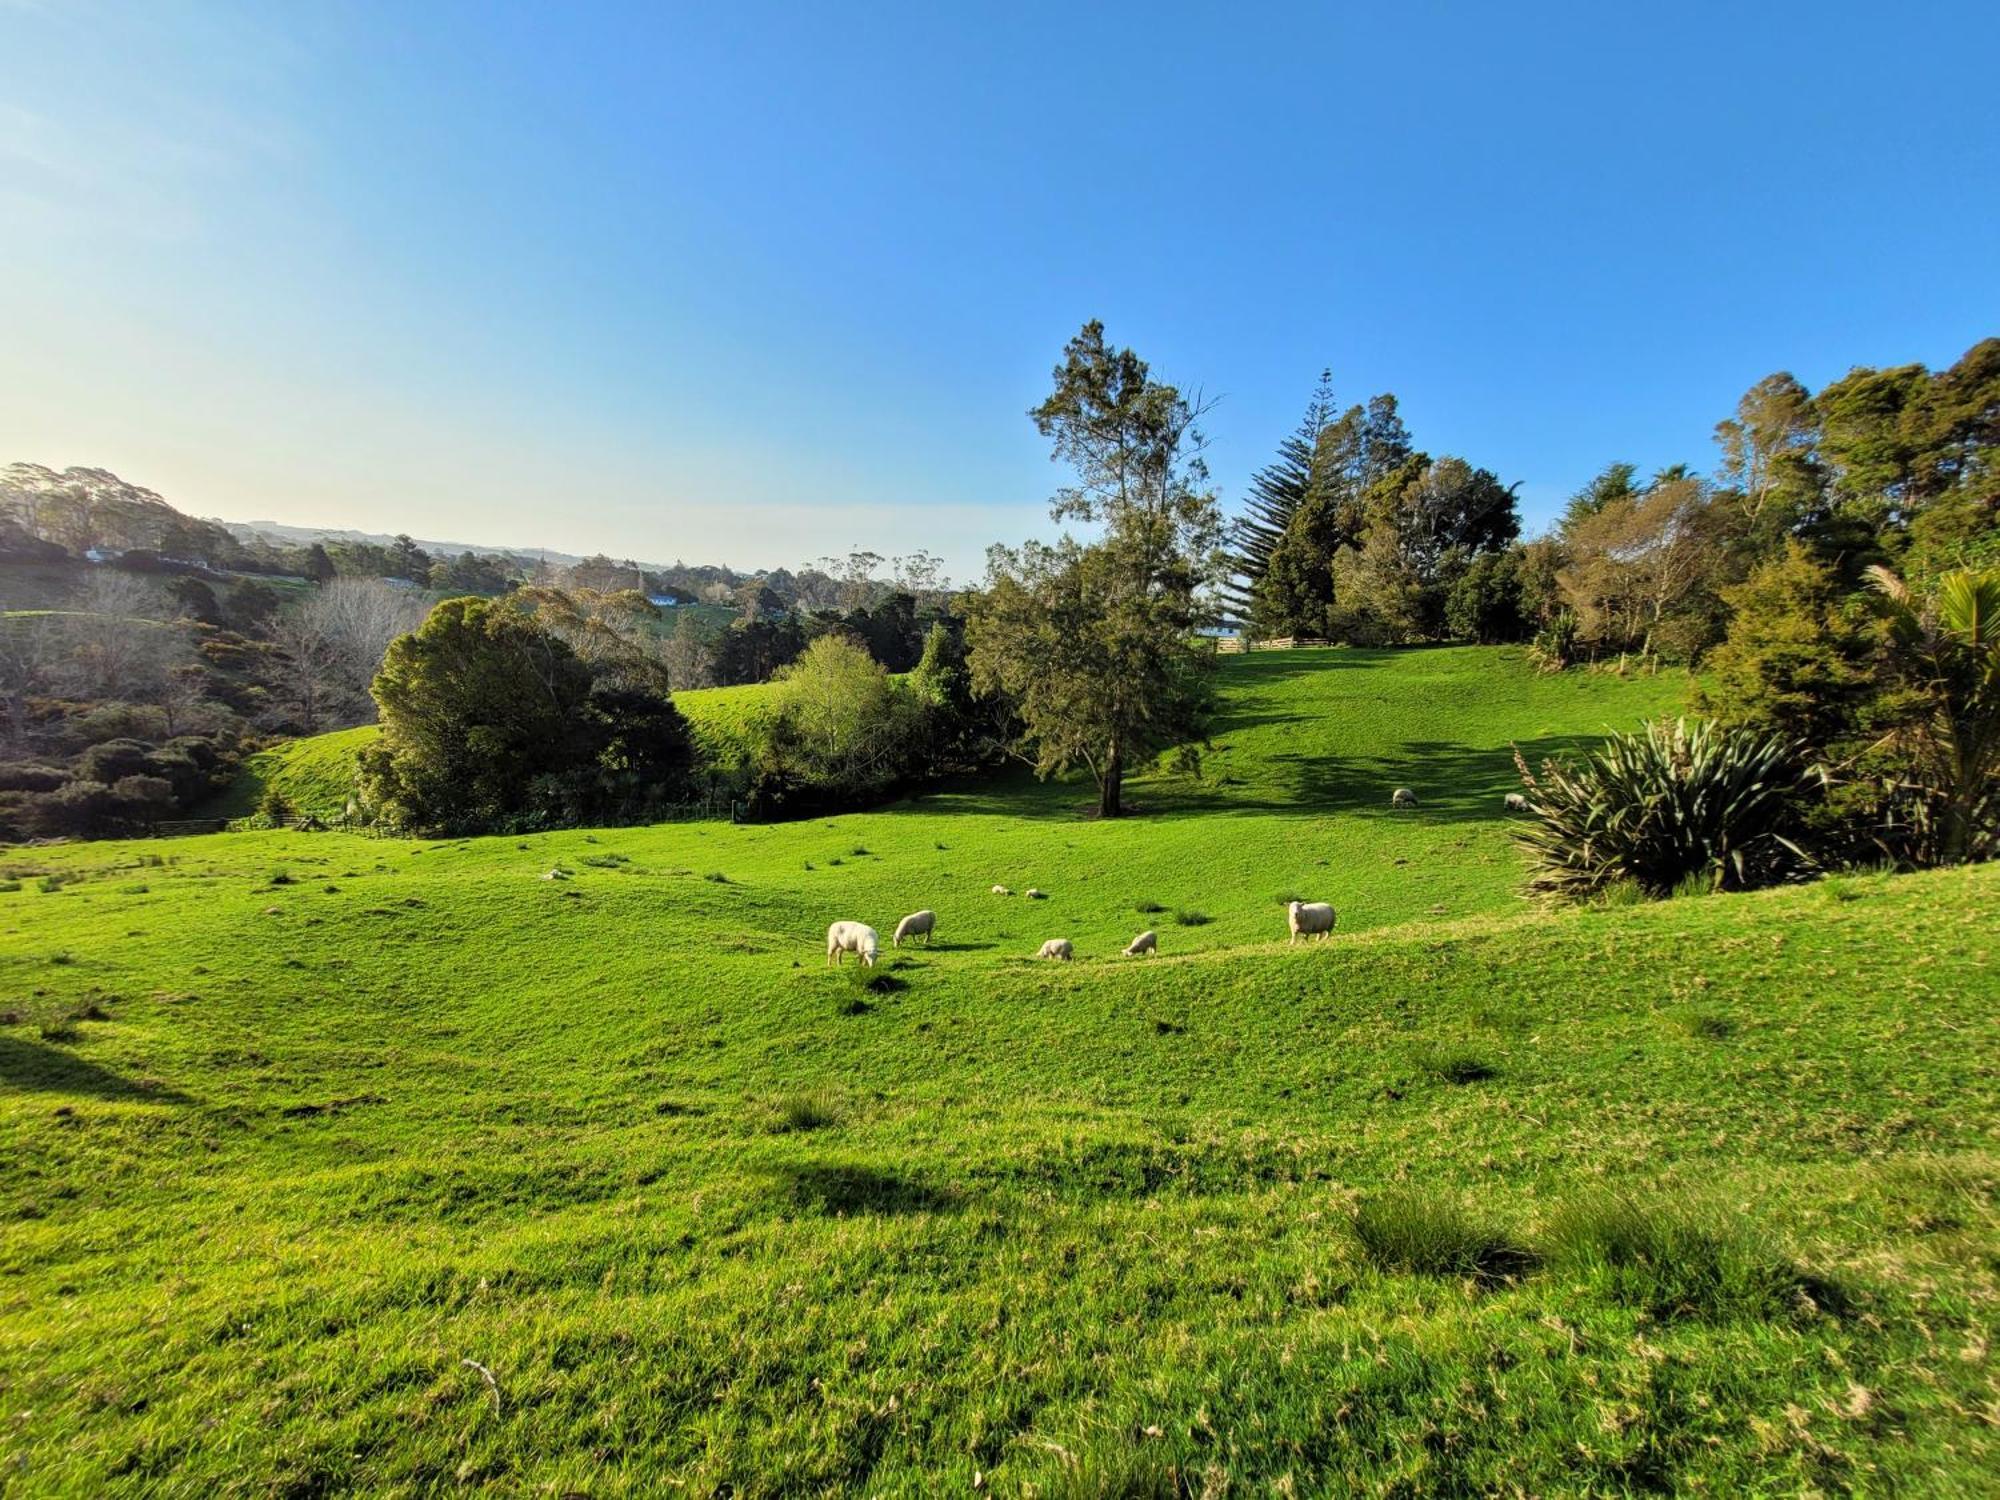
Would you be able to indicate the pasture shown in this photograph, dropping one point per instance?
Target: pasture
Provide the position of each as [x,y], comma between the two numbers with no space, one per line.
[339,1162]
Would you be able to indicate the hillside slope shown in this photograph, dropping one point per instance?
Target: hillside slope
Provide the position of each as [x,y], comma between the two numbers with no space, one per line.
[303,1136]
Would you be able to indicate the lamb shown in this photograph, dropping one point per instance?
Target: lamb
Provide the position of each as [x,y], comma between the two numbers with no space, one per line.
[917,924]
[1057,948]
[1310,919]
[1403,797]
[1516,802]
[1001,890]
[1145,942]
[843,938]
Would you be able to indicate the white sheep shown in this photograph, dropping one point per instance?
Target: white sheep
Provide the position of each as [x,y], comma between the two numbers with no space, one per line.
[1035,895]
[1145,942]
[843,938]
[1309,919]
[1516,802]
[1057,948]
[917,924]
[1403,797]
[1001,890]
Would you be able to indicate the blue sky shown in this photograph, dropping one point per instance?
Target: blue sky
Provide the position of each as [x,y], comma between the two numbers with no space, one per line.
[756,283]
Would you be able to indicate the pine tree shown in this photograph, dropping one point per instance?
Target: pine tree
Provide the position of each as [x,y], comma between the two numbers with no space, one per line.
[1276,493]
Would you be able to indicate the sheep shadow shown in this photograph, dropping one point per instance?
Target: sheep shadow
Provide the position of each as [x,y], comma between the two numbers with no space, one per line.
[34,1068]
[835,1189]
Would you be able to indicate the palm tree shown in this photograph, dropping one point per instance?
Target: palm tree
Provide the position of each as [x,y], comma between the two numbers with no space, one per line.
[1948,646]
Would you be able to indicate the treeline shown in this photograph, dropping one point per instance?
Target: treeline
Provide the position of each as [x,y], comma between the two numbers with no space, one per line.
[1353,535]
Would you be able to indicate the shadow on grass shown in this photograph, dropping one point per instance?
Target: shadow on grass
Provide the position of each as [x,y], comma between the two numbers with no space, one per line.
[51,1070]
[828,1188]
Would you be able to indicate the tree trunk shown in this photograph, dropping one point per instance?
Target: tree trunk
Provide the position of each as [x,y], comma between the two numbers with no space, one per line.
[1111,783]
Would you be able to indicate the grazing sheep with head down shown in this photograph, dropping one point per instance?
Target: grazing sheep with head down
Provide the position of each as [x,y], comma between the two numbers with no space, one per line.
[1001,890]
[1516,802]
[1403,797]
[917,924]
[1057,948]
[1034,895]
[1146,942]
[843,938]
[1309,919]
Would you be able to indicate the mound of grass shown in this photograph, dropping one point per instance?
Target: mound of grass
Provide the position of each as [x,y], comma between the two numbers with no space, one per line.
[1424,1233]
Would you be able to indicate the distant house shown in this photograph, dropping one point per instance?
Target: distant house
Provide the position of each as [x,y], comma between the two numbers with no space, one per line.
[102,554]
[403,583]
[664,601]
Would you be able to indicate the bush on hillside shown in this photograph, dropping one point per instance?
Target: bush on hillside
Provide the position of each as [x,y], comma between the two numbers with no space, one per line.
[1678,799]
[490,721]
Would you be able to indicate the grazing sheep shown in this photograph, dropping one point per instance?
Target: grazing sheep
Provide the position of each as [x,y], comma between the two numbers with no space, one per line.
[843,938]
[1035,895]
[1403,797]
[1516,802]
[1001,890]
[1145,942]
[917,924]
[1057,948]
[1309,919]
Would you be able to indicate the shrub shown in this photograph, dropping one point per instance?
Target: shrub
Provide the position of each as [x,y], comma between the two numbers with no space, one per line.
[1555,644]
[1148,908]
[1675,1260]
[1192,919]
[1676,800]
[1425,1234]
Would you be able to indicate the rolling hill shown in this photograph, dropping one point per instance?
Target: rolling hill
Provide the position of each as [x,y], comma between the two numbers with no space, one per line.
[337,1162]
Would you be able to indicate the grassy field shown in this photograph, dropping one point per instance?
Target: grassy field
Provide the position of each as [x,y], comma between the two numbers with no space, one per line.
[315,775]
[336,1163]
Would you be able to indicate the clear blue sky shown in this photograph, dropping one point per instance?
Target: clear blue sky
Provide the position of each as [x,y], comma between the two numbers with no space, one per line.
[753,283]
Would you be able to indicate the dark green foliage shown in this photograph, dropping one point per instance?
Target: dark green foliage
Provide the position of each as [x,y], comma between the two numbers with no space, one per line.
[476,704]
[1192,919]
[1678,799]
[1427,1233]
[1799,659]
[489,719]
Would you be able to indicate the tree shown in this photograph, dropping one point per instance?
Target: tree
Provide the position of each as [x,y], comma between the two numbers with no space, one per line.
[839,723]
[319,567]
[1946,651]
[1613,483]
[1277,491]
[476,704]
[1094,645]
[689,654]
[1796,660]
[1294,596]
[1426,523]
[1770,464]
[1643,572]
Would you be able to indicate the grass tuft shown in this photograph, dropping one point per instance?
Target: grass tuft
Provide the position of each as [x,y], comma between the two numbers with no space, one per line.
[1676,1259]
[1459,1065]
[1148,908]
[807,1111]
[716,877]
[1422,1233]
[1192,919]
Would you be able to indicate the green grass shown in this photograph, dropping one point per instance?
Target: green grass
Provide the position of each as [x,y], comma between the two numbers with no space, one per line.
[316,776]
[302,1166]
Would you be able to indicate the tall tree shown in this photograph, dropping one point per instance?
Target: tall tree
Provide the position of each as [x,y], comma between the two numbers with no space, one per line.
[1095,644]
[1277,491]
